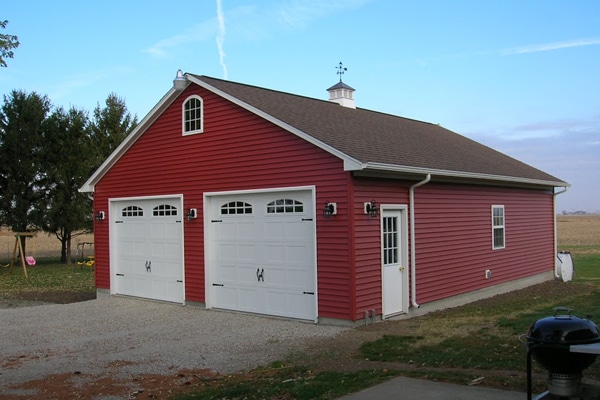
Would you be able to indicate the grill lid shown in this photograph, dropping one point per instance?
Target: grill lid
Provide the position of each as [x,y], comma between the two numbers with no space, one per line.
[563,328]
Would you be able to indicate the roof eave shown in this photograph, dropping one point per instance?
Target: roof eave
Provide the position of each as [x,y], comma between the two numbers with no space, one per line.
[402,169]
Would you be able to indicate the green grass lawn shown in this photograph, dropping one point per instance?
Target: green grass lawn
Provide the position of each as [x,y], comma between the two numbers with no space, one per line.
[488,335]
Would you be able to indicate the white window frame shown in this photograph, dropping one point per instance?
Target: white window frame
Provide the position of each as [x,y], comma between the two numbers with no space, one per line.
[498,224]
[183,116]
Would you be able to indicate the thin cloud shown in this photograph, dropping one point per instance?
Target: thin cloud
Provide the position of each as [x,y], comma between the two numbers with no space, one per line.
[196,33]
[299,13]
[550,46]
[221,37]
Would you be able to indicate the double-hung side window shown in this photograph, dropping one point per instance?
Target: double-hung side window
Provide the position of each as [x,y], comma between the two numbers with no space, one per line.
[498,228]
[193,115]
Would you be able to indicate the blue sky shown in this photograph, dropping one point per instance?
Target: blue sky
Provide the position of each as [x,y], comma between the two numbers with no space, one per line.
[519,76]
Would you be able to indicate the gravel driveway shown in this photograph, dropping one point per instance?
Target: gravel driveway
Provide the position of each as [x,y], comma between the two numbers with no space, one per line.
[141,337]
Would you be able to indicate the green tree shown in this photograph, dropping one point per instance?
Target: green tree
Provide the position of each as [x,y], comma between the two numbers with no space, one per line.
[7,44]
[21,119]
[110,126]
[65,167]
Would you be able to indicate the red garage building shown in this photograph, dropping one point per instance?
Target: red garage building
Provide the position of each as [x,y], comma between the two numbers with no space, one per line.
[249,199]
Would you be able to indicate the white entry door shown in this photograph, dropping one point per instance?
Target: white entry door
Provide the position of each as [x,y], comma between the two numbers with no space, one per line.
[394,261]
[262,248]
[147,242]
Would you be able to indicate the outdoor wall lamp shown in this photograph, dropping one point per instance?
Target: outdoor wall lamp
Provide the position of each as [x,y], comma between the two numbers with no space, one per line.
[100,216]
[371,208]
[329,209]
[179,83]
[191,213]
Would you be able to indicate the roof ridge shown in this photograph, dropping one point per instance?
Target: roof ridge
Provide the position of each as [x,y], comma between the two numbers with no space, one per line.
[315,99]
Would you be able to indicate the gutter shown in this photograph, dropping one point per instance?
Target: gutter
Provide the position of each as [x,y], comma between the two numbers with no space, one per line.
[556,275]
[413,255]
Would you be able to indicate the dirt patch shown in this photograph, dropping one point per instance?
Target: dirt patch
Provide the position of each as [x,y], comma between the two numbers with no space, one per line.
[35,298]
[112,385]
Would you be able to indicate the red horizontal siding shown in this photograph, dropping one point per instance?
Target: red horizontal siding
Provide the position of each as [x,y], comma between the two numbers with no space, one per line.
[237,151]
[368,238]
[454,238]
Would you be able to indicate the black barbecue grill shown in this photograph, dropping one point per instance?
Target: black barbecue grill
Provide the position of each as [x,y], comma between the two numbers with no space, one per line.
[551,341]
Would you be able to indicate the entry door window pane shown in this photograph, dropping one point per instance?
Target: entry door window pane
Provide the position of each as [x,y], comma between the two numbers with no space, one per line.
[390,240]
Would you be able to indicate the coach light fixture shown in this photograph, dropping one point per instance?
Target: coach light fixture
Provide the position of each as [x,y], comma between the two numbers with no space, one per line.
[179,83]
[371,208]
[329,209]
[100,216]
[191,213]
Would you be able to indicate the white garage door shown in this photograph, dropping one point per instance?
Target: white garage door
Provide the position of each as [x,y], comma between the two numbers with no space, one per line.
[147,246]
[263,253]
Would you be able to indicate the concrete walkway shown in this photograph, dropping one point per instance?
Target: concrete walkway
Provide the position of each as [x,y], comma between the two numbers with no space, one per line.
[418,389]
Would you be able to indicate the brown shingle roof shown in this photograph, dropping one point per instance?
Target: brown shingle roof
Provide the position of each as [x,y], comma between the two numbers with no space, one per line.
[375,138]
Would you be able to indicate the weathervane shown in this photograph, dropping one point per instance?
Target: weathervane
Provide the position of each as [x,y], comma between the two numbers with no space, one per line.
[341,69]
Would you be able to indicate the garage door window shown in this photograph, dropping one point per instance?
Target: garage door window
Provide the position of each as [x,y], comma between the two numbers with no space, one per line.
[132,211]
[164,210]
[285,206]
[236,207]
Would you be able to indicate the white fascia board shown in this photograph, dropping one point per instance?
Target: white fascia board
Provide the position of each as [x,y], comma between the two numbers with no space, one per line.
[144,124]
[459,174]
[350,163]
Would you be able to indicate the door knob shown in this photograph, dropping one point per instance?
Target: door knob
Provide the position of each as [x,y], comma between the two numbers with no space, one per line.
[401,269]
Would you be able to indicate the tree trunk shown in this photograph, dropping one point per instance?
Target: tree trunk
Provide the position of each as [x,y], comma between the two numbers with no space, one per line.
[69,249]
[65,246]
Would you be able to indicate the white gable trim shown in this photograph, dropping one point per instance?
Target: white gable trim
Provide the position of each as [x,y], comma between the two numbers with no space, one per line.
[350,164]
[144,124]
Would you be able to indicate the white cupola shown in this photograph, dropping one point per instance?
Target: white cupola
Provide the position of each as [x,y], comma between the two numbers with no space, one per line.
[340,92]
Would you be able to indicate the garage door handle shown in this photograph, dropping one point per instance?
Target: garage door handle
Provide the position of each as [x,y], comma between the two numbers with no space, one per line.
[260,274]
[120,274]
[313,293]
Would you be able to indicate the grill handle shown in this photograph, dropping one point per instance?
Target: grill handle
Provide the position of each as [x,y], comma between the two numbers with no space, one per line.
[566,312]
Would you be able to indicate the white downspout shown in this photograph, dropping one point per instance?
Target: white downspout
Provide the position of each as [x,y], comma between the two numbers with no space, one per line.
[413,255]
[556,275]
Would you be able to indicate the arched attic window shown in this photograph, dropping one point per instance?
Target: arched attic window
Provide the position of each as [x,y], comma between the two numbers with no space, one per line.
[193,115]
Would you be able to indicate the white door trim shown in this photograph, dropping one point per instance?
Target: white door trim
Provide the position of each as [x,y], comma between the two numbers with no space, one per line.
[398,298]
[112,217]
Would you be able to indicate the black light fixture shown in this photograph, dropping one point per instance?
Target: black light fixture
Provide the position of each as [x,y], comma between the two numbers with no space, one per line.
[191,213]
[329,209]
[371,208]
[100,216]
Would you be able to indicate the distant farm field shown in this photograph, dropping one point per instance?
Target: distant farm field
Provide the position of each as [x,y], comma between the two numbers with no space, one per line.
[579,230]
[43,245]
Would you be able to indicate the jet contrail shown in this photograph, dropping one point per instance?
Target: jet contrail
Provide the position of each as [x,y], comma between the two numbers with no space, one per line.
[221,38]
